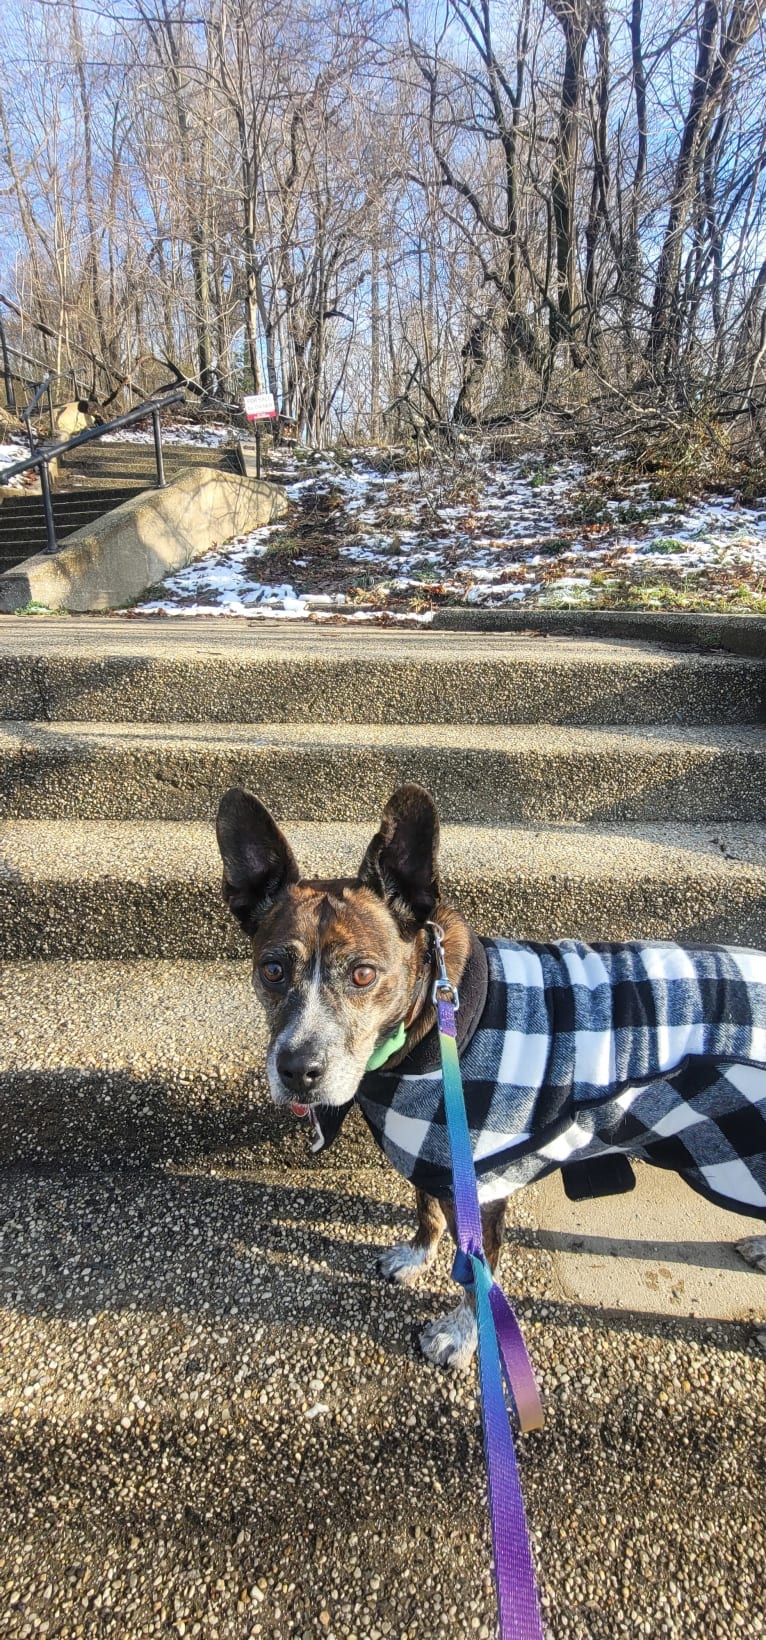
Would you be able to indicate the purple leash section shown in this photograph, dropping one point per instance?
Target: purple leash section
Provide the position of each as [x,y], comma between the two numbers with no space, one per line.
[502,1353]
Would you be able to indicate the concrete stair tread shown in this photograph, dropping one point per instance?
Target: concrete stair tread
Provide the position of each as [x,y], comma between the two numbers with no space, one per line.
[130,1063]
[104,637]
[527,739]
[479,773]
[142,851]
[137,671]
[140,1062]
[126,889]
[180,1351]
[86,1068]
[201,1021]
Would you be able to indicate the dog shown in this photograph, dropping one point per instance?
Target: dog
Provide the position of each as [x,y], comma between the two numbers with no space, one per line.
[74,417]
[572,1056]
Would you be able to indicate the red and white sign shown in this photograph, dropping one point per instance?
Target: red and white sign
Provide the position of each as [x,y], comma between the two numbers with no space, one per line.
[259,406]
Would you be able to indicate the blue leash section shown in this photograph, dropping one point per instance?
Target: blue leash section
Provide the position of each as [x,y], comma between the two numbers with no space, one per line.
[502,1353]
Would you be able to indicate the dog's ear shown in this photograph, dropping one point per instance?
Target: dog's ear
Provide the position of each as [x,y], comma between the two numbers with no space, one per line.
[258,862]
[401,863]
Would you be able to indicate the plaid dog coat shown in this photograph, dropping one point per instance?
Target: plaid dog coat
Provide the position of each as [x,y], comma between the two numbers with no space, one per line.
[577,1052]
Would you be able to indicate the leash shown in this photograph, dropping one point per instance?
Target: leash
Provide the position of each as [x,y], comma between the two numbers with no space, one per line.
[502,1352]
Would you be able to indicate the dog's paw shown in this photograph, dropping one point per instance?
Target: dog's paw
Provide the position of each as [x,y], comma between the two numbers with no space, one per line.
[404,1263]
[451,1341]
[753,1251]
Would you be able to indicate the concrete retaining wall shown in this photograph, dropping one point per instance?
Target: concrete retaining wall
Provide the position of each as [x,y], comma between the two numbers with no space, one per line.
[137,544]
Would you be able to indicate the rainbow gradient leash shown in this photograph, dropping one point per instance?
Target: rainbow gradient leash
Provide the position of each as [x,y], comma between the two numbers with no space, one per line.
[502,1352]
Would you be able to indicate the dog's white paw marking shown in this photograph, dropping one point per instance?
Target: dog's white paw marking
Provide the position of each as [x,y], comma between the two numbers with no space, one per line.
[404,1263]
[451,1341]
[753,1251]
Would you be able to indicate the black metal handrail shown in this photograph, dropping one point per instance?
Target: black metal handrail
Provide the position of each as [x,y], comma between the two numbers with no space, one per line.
[43,376]
[26,414]
[42,458]
[35,400]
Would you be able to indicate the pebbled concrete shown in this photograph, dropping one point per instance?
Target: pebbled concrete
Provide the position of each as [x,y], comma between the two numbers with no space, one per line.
[122,889]
[214,1418]
[215,1421]
[121,1064]
[139,671]
[328,772]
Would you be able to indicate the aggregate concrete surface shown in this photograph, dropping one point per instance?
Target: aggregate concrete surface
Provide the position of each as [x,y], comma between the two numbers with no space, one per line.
[177,771]
[94,888]
[215,1422]
[137,671]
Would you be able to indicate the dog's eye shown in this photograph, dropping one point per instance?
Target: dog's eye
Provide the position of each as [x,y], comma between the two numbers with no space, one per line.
[272,972]
[363,975]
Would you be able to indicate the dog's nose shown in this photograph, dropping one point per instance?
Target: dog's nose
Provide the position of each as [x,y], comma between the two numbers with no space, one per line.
[300,1071]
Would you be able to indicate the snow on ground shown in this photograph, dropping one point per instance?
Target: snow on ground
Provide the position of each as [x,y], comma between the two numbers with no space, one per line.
[363,542]
[9,454]
[211,436]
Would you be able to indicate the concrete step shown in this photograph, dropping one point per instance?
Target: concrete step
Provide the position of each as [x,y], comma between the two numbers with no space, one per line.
[216,1421]
[346,772]
[124,889]
[125,1063]
[22,527]
[18,507]
[136,671]
[115,463]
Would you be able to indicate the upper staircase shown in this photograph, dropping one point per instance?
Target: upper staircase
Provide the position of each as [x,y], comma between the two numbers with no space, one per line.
[88,483]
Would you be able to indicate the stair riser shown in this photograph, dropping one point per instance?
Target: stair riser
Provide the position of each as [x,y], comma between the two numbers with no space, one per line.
[70,501]
[218,689]
[28,518]
[172,919]
[352,783]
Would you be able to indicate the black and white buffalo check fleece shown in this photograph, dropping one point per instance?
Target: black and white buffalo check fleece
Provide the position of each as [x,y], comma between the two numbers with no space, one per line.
[651,1050]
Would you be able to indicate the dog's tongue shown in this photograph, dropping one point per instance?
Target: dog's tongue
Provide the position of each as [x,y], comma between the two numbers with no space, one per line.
[300,1110]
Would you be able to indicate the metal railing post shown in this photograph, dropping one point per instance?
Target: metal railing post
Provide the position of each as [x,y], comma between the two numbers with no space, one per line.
[50,527]
[10,392]
[158,450]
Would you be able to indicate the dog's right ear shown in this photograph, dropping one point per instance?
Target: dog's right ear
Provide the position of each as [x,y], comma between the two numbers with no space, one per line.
[258,862]
[402,861]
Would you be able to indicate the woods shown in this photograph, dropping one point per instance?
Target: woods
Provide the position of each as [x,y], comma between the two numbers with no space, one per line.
[393,215]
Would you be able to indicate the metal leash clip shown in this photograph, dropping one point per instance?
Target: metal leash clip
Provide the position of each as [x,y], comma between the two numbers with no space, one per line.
[442,989]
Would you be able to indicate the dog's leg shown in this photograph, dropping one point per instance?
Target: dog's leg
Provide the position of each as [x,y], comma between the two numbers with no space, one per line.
[753,1251]
[451,1341]
[407,1261]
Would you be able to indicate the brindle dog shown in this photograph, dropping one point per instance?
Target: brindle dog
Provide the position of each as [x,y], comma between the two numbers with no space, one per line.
[338,966]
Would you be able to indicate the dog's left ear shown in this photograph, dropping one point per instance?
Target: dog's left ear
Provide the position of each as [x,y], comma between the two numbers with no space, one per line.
[401,863]
[258,862]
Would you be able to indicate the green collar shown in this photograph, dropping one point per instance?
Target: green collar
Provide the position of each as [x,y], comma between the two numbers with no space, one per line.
[387,1049]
